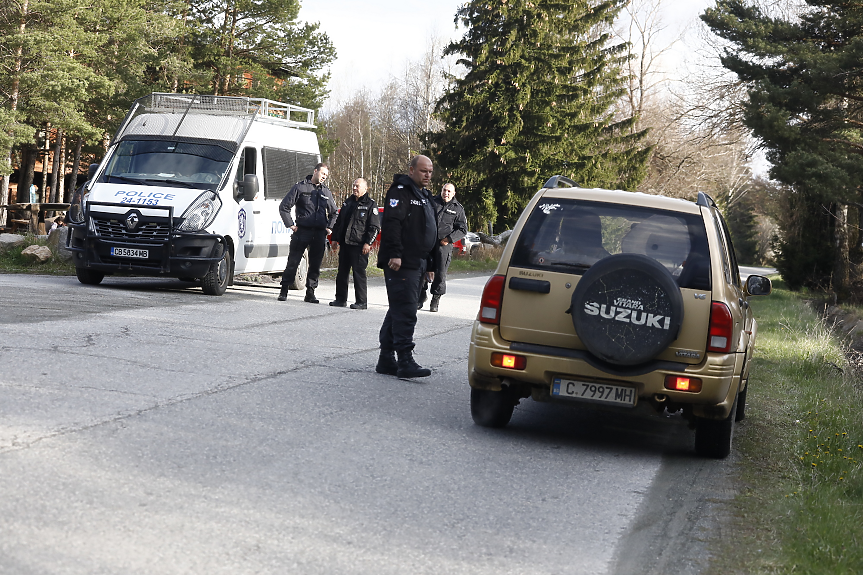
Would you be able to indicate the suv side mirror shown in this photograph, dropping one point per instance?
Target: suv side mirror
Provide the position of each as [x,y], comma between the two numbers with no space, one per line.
[91,171]
[250,187]
[758,285]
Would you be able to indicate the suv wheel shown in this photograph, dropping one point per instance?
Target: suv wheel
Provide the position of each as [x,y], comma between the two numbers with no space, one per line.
[712,437]
[491,408]
[626,309]
[741,405]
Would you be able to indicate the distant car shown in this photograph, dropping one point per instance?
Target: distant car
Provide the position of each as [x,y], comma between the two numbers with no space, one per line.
[467,245]
[617,300]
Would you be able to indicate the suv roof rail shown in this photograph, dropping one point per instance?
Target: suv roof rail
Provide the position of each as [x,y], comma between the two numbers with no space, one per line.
[555,180]
[705,200]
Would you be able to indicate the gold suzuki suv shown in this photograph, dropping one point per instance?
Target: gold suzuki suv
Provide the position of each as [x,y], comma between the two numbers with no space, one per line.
[617,299]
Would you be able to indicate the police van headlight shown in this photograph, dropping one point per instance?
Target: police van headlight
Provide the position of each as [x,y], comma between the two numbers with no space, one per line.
[201,213]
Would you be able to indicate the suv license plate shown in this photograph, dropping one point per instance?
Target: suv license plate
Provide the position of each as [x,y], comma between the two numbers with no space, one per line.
[130,253]
[595,392]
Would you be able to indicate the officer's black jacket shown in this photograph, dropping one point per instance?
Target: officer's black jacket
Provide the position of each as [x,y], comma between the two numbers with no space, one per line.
[315,206]
[408,227]
[358,222]
[451,221]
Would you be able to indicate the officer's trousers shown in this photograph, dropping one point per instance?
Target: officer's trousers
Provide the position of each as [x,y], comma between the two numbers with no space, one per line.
[352,258]
[442,260]
[316,241]
[403,287]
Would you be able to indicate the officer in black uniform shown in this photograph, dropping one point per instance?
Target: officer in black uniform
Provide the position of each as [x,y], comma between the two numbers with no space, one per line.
[451,227]
[353,235]
[316,215]
[408,234]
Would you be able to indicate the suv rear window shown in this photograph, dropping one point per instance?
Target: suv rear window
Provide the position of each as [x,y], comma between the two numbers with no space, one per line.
[571,235]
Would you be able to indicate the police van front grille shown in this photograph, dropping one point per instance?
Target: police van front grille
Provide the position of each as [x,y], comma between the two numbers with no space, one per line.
[149,231]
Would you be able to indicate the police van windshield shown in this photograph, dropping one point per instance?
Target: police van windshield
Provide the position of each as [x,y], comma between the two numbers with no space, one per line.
[570,236]
[164,163]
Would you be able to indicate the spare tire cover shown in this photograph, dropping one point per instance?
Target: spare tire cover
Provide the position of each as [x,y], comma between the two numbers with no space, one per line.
[626,309]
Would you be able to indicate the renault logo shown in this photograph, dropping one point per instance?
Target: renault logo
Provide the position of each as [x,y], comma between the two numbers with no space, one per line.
[132,222]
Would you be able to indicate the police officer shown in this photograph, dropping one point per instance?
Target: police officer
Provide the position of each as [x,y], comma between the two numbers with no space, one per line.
[316,215]
[355,231]
[451,227]
[408,234]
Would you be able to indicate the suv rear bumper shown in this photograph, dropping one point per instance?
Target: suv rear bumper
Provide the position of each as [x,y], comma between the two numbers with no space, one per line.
[719,373]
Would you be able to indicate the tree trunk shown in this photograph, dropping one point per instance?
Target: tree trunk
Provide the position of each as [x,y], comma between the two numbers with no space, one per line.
[14,94]
[56,168]
[29,152]
[61,186]
[841,271]
[46,157]
[76,166]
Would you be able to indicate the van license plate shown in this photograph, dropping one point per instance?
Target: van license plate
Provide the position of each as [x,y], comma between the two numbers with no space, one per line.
[595,392]
[130,253]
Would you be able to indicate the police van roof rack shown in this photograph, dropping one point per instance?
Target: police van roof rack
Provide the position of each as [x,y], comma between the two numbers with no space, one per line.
[705,200]
[555,180]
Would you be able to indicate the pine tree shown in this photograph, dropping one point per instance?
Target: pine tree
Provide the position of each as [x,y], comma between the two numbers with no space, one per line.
[805,103]
[538,99]
[257,48]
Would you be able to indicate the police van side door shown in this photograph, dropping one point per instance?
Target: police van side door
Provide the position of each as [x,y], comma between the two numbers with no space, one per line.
[282,169]
[247,164]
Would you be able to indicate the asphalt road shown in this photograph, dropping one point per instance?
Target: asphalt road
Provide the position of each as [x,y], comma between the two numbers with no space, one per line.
[147,428]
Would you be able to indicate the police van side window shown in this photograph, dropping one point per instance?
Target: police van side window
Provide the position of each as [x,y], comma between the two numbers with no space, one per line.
[283,169]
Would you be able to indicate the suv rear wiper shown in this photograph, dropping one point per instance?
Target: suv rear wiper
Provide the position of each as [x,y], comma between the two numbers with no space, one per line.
[569,265]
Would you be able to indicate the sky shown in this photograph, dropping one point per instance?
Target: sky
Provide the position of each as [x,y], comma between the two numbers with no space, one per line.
[375,39]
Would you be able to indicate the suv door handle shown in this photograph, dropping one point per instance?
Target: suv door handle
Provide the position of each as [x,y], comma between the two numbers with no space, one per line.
[743,303]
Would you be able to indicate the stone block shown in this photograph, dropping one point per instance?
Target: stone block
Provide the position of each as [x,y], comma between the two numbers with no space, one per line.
[9,241]
[37,253]
[57,243]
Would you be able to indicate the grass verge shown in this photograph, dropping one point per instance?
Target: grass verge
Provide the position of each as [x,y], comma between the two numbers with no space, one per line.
[12,262]
[800,451]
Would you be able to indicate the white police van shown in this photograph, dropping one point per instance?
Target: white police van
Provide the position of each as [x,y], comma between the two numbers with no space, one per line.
[190,188]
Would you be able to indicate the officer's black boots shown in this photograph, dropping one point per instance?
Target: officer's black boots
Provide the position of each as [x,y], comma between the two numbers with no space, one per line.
[310,296]
[408,368]
[434,303]
[359,306]
[283,295]
[387,364]
[338,303]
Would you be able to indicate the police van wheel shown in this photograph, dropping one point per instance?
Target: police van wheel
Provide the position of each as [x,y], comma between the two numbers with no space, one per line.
[302,273]
[216,280]
[89,277]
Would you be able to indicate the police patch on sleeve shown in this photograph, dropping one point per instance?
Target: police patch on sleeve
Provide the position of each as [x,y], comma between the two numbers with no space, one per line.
[394,203]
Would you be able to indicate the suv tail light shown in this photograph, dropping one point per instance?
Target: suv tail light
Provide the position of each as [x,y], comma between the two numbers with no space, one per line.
[492,297]
[721,328]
